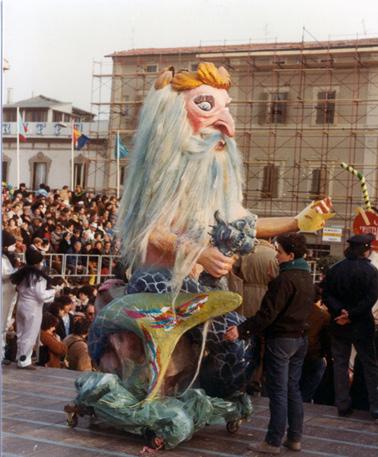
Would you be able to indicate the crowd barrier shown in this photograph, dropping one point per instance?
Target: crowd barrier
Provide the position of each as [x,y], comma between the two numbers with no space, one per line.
[97,268]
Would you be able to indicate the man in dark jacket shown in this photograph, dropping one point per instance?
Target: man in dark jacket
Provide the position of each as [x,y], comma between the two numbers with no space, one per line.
[350,290]
[282,318]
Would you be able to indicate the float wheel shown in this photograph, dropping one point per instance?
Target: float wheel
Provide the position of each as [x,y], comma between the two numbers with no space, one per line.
[233,426]
[152,440]
[72,420]
[72,413]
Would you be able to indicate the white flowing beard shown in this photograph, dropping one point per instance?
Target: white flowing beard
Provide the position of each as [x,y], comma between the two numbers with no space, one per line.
[211,180]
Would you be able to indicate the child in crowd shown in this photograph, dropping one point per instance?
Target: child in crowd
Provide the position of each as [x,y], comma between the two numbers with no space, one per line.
[52,350]
[33,291]
[77,347]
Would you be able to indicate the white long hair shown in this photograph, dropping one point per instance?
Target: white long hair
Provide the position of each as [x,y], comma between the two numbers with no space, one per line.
[176,181]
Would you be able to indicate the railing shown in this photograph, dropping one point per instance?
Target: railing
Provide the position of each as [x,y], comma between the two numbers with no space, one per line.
[93,267]
[100,267]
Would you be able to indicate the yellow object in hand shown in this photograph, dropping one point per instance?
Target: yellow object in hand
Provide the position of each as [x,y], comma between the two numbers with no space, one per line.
[314,216]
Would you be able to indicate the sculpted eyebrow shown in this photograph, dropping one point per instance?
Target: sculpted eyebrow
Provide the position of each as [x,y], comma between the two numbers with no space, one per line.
[204,98]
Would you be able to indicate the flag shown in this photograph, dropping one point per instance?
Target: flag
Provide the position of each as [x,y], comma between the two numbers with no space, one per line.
[22,128]
[120,148]
[79,139]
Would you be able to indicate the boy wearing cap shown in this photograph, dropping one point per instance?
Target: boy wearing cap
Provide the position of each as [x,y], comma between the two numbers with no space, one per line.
[350,290]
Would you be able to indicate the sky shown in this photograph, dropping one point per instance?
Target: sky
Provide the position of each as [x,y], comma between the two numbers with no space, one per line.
[51,44]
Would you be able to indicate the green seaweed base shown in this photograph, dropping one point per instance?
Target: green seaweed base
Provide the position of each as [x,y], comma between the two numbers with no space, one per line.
[174,419]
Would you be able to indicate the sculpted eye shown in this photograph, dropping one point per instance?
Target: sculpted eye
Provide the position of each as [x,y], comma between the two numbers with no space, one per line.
[204,102]
[205,106]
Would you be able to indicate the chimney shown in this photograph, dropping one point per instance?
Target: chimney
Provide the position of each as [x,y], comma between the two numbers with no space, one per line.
[9,95]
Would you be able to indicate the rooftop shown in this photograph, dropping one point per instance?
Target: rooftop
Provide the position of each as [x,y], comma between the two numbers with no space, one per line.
[289,46]
[41,101]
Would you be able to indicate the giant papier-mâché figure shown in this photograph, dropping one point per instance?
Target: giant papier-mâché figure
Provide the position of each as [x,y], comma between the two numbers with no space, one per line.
[181,222]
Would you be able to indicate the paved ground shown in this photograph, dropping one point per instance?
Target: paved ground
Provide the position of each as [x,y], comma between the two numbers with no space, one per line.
[34,424]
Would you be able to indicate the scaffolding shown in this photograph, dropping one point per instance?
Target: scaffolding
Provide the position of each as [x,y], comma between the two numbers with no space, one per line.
[300,109]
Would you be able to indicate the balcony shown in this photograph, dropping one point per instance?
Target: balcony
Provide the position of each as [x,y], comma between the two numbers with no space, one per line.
[35,130]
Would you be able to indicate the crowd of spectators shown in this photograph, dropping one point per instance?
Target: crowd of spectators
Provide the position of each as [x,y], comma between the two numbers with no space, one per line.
[79,225]
[60,221]
[65,321]
[64,330]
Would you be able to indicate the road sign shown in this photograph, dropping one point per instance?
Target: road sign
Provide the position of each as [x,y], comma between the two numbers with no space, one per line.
[367,223]
[332,234]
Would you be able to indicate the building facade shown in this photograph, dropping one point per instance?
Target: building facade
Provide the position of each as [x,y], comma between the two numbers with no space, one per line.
[300,109]
[45,156]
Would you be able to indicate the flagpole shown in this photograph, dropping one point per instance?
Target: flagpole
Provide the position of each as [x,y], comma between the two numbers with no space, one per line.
[118,164]
[18,149]
[72,155]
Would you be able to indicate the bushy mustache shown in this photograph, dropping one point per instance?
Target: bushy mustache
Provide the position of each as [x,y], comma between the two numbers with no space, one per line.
[206,142]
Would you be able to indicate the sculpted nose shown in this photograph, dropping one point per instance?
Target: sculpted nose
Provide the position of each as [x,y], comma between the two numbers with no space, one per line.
[225,123]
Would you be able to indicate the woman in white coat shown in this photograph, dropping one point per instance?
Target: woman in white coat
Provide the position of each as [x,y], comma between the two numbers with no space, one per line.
[9,291]
[33,292]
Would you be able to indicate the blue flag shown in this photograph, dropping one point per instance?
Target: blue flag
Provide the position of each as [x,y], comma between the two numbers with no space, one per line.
[121,148]
[80,140]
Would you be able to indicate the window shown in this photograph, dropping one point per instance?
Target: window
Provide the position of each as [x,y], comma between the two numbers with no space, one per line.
[325,108]
[122,175]
[277,108]
[319,183]
[151,68]
[35,115]
[273,107]
[39,174]
[4,171]
[80,174]
[10,115]
[58,116]
[315,251]
[270,181]
[126,111]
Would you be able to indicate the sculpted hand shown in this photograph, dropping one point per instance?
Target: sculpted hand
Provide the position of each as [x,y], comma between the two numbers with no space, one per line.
[315,215]
[215,263]
[232,333]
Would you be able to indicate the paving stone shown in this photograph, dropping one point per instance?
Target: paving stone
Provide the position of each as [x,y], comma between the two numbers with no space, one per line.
[34,424]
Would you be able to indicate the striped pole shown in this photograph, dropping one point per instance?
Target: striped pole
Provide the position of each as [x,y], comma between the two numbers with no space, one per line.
[362,180]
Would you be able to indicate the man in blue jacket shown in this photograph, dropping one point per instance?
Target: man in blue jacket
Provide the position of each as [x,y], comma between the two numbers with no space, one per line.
[282,320]
[350,290]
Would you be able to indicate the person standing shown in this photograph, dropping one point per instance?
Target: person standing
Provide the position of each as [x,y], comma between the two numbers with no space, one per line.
[32,291]
[253,272]
[350,290]
[315,362]
[9,291]
[282,318]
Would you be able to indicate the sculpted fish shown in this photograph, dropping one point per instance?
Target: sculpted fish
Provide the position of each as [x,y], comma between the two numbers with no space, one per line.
[151,318]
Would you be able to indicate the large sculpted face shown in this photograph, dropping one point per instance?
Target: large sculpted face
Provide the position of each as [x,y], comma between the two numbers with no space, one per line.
[207,107]
[185,166]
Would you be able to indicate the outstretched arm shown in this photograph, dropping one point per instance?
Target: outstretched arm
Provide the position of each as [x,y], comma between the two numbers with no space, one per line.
[310,219]
[267,227]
